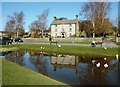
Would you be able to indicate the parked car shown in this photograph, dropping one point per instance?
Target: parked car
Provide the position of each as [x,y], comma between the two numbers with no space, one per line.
[5,40]
[18,40]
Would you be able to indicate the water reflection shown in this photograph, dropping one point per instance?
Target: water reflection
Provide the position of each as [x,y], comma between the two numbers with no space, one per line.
[73,70]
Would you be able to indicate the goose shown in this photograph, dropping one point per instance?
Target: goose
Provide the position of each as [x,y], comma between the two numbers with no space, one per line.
[105,58]
[117,56]
[98,64]
[59,45]
[93,61]
[106,65]
[105,48]
[42,48]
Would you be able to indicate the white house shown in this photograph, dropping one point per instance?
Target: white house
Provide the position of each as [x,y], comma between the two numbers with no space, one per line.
[63,27]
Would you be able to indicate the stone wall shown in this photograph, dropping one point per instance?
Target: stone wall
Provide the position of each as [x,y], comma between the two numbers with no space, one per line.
[61,39]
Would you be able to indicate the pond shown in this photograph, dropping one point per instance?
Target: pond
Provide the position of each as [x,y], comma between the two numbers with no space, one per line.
[70,69]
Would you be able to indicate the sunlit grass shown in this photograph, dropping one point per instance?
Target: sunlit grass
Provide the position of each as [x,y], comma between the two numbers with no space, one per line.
[14,74]
[73,50]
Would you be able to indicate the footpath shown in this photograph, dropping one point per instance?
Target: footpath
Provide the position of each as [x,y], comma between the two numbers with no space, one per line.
[105,44]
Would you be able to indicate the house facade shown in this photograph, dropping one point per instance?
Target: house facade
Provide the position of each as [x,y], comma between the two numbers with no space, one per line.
[3,34]
[63,27]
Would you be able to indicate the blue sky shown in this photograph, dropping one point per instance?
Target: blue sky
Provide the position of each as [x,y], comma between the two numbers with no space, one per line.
[58,9]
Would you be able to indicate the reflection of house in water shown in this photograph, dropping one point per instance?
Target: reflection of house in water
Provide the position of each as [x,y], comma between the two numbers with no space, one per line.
[64,60]
[67,61]
[87,69]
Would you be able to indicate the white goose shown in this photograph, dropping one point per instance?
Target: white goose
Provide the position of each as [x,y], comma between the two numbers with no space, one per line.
[98,64]
[106,65]
[117,56]
[93,61]
[105,58]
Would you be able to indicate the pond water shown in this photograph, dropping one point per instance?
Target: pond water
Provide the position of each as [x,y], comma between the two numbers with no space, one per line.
[73,70]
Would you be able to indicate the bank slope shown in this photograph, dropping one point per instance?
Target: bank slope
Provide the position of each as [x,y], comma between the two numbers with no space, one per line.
[14,74]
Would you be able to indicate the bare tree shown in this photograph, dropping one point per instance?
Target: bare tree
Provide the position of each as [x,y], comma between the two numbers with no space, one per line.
[96,12]
[43,19]
[10,26]
[15,23]
[41,22]
[36,25]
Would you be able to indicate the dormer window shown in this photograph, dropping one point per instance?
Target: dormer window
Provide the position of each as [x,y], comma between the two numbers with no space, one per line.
[70,25]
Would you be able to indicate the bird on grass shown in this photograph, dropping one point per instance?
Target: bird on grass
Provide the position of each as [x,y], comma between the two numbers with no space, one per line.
[59,46]
[42,48]
[105,48]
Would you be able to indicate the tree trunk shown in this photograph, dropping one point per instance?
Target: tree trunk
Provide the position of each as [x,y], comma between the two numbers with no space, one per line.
[42,33]
[93,29]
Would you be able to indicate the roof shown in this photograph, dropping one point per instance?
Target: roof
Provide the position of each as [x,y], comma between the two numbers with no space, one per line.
[3,32]
[63,22]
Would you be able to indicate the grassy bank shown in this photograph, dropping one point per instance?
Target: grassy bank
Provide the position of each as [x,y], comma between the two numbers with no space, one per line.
[14,74]
[73,50]
[4,49]
[0,72]
[118,43]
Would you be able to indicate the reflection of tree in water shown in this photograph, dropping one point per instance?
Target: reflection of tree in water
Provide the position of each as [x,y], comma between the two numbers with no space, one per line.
[39,61]
[16,57]
[83,72]
[86,69]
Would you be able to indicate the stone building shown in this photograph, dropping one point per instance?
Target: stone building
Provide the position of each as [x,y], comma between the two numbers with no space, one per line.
[63,27]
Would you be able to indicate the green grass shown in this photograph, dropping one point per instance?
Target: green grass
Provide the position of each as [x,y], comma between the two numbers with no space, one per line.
[118,43]
[0,72]
[73,50]
[14,74]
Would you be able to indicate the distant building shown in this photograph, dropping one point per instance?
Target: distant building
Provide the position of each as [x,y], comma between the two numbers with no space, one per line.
[46,33]
[3,34]
[37,33]
[64,27]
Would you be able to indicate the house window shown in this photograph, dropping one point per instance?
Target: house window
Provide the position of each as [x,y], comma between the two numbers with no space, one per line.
[56,25]
[70,34]
[63,29]
[70,29]
[55,30]
[70,25]
[55,34]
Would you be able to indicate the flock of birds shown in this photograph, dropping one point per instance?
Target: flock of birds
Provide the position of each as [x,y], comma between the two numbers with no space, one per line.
[42,48]
[93,61]
[105,65]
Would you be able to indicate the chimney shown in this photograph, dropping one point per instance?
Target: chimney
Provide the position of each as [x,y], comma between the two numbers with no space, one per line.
[76,17]
[77,27]
[55,17]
